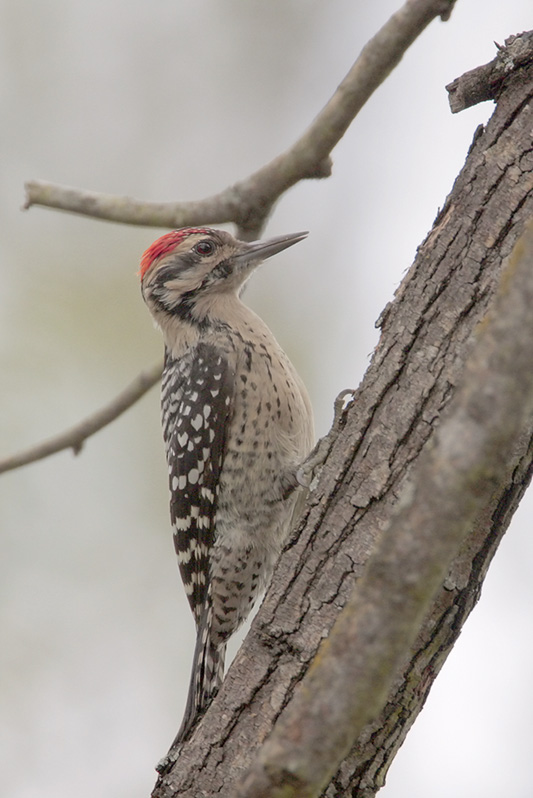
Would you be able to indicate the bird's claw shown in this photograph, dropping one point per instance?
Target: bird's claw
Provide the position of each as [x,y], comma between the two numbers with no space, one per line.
[310,469]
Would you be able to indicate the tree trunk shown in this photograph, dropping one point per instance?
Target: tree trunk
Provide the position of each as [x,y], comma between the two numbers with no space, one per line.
[426,335]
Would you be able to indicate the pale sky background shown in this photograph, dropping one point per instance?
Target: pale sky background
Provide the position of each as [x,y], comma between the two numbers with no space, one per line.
[175,100]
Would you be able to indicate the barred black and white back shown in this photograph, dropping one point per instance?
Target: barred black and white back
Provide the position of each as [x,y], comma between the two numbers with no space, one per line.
[196,395]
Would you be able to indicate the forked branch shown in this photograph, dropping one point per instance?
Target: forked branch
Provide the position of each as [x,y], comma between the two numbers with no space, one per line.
[248,202]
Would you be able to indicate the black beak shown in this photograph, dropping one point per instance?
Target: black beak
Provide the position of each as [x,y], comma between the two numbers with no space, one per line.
[261,250]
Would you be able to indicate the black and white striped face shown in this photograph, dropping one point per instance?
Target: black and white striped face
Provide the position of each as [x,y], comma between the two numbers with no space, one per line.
[184,272]
[185,264]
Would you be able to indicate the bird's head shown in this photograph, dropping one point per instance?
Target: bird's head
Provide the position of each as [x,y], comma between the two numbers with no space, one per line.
[185,271]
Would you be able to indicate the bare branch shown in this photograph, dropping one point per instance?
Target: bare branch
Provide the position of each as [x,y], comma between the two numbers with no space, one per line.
[248,203]
[485,82]
[473,452]
[75,437]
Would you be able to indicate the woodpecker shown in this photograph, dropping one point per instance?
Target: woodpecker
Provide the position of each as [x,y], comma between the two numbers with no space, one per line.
[237,424]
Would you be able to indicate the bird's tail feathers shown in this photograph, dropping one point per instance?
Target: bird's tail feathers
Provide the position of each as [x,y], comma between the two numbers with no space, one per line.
[206,677]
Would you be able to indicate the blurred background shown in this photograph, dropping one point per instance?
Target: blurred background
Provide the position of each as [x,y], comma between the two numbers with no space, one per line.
[174,101]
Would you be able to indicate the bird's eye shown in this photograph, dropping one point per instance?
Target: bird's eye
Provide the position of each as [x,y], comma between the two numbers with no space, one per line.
[205,247]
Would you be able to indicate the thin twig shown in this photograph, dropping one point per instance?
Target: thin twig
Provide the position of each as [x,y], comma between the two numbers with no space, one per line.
[248,202]
[75,437]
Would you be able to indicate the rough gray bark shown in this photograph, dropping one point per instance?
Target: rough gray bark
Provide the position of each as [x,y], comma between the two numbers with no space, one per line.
[426,336]
[485,82]
[470,455]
